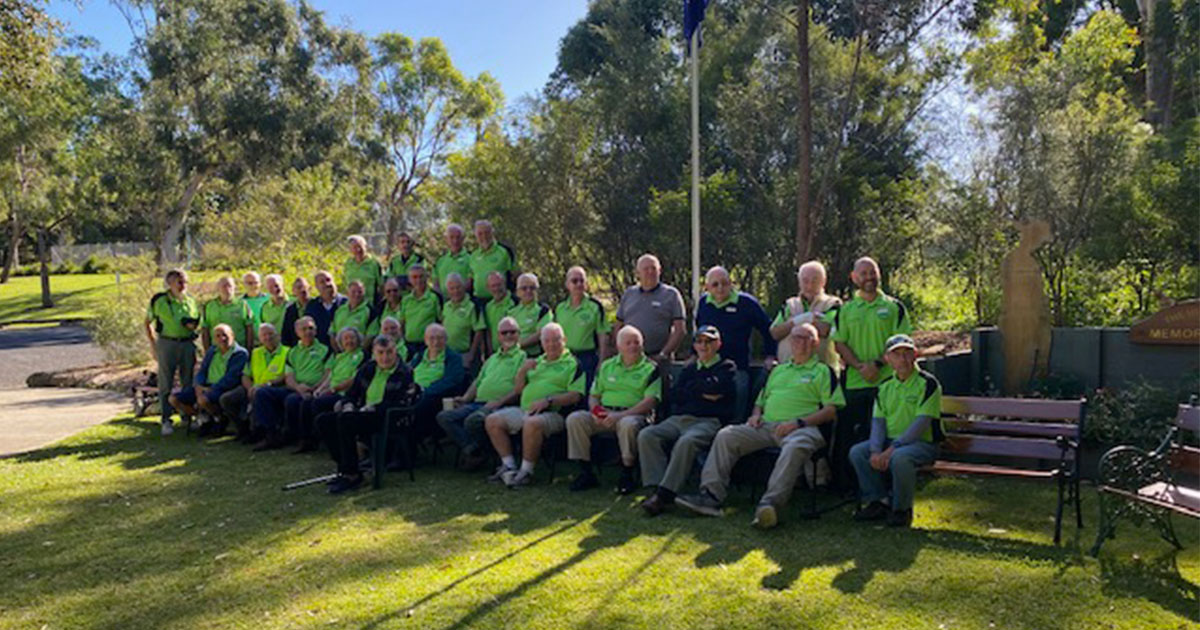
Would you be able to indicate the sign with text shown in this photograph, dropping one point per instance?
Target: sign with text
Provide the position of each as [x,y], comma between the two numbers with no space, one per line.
[1177,325]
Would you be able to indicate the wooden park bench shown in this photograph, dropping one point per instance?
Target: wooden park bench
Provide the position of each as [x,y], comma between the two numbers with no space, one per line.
[1151,486]
[1015,437]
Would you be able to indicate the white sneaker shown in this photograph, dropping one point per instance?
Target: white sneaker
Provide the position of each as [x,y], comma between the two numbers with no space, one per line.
[517,478]
[498,475]
[167,429]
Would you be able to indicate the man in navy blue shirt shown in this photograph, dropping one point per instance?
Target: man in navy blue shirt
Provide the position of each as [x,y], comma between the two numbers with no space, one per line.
[736,315]
[322,308]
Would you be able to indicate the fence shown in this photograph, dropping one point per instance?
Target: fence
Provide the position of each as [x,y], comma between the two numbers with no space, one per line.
[77,254]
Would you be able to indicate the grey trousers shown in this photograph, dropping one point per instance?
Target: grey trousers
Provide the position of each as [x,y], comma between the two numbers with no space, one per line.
[173,356]
[738,440]
[581,427]
[233,403]
[670,469]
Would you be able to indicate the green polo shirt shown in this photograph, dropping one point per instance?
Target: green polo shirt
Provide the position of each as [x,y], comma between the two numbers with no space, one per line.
[619,385]
[378,385]
[499,257]
[168,313]
[399,265]
[267,366]
[368,272]
[219,365]
[256,304]
[582,324]
[448,263]
[494,311]
[356,317]
[429,371]
[419,312]
[307,364]
[343,365]
[498,373]
[794,391]
[900,403]
[385,312]
[551,378]
[236,313]
[272,313]
[865,326]
[461,320]
[530,318]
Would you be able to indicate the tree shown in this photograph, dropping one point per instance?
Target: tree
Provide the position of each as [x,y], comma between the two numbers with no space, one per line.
[26,41]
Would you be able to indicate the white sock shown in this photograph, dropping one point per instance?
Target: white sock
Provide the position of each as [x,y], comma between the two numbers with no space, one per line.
[509,461]
[526,466]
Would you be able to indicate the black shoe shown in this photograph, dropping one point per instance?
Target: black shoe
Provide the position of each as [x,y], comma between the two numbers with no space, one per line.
[655,504]
[269,443]
[345,484]
[703,503]
[205,429]
[876,511]
[626,484]
[899,518]
[584,481]
[396,465]
[306,446]
[472,462]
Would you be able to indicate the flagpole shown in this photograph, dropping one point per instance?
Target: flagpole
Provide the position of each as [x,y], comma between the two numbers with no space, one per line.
[696,166]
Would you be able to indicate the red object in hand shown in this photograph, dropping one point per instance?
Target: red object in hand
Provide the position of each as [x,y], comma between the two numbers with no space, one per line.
[599,411]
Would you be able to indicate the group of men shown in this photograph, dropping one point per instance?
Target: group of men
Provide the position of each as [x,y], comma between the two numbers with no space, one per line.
[501,374]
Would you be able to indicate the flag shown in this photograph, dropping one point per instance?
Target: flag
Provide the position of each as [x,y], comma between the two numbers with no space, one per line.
[693,14]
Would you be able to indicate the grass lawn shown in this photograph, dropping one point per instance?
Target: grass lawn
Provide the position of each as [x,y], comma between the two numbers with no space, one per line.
[21,297]
[119,528]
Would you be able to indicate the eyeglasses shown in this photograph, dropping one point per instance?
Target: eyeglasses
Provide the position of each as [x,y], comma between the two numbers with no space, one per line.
[308,328]
[508,332]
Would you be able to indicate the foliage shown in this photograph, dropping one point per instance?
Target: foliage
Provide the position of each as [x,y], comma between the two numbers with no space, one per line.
[1138,414]
[116,322]
[26,41]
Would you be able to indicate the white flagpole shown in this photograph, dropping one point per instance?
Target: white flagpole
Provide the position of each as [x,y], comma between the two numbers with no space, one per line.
[696,166]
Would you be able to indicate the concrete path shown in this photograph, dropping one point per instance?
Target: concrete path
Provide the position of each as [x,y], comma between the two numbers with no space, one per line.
[31,418]
[24,351]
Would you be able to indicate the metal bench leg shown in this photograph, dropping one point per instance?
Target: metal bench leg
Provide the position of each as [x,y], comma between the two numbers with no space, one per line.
[1106,529]
[1078,508]
[1058,513]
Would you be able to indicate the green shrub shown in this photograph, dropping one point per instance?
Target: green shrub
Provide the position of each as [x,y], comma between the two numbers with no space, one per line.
[1139,414]
[118,315]
[97,264]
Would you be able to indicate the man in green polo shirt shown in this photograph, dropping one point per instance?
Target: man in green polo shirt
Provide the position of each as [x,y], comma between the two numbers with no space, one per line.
[227,309]
[548,384]
[906,426]
[340,369]
[419,309]
[490,256]
[439,372]
[496,308]
[491,390]
[355,313]
[860,328]
[253,295]
[404,259]
[171,322]
[274,308]
[265,370]
[626,390]
[456,259]
[800,395]
[585,323]
[530,314]
[464,321]
[363,267]
[304,369]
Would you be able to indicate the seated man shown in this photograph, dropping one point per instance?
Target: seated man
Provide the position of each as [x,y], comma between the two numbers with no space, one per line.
[799,396]
[304,368]
[625,392]
[548,384]
[379,385]
[266,370]
[440,373]
[220,372]
[702,401]
[340,369]
[906,426]
[492,389]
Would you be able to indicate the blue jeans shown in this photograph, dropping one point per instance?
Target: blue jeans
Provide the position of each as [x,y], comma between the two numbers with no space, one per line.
[269,407]
[457,423]
[903,467]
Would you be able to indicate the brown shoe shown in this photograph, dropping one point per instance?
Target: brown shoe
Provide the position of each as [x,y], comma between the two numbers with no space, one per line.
[654,504]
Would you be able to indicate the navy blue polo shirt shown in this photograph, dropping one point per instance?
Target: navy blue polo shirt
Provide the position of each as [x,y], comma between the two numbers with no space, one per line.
[736,318]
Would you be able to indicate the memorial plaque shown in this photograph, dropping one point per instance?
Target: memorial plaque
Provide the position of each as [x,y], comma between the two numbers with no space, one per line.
[1177,325]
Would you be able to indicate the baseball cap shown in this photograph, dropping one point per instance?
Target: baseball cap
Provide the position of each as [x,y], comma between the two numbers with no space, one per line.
[898,341]
[708,330]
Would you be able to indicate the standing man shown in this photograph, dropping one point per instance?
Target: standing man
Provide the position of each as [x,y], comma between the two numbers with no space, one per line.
[301,292]
[860,329]
[625,392]
[702,401]
[456,259]
[363,267]
[584,322]
[490,256]
[274,309]
[389,307]
[171,322]
[736,315]
[906,426]
[355,313]
[531,315]
[496,308]
[321,310]
[809,307]
[799,396]
[253,296]
[404,259]
[418,310]
[464,321]
[227,309]
[654,308]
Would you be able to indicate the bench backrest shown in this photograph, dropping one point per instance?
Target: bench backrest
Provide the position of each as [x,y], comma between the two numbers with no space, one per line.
[1012,427]
[1186,458]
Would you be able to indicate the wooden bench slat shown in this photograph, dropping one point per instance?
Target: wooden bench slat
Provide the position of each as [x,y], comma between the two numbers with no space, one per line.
[1037,409]
[1188,418]
[948,467]
[1032,429]
[964,443]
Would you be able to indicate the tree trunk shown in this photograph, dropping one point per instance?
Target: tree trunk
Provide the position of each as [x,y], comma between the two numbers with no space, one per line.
[169,240]
[1157,47]
[14,247]
[43,253]
[804,138]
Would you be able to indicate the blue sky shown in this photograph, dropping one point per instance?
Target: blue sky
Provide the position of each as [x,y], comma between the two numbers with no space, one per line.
[515,40]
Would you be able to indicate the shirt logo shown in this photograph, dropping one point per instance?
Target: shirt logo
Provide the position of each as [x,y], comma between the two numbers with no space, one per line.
[655,303]
[881,312]
[807,378]
[612,379]
[730,309]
